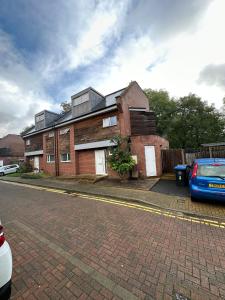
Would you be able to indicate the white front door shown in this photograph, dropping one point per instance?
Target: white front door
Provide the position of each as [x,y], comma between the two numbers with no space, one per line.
[36,162]
[100,162]
[150,161]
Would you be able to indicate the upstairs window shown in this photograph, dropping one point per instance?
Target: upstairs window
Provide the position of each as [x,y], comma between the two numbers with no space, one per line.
[65,157]
[64,131]
[27,142]
[51,134]
[50,158]
[81,99]
[111,121]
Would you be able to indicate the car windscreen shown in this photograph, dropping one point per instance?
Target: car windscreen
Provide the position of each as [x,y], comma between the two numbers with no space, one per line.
[211,170]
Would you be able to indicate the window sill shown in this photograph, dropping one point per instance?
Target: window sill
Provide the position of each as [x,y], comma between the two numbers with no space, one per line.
[65,161]
[50,162]
[109,126]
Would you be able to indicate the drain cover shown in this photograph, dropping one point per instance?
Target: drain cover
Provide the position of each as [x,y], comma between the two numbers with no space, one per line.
[181,297]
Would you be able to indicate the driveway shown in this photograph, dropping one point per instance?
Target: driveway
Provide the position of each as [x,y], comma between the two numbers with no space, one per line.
[169,187]
[68,247]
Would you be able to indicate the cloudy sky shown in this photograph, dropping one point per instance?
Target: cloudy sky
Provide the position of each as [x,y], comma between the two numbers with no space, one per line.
[50,50]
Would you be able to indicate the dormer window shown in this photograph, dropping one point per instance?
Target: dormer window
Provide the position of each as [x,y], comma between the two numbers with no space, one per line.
[40,118]
[111,121]
[81,99]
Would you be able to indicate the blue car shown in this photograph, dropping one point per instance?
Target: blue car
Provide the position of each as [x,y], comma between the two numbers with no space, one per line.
[207,179]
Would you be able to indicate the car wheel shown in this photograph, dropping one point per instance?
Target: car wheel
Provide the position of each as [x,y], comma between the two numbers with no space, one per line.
[2,174]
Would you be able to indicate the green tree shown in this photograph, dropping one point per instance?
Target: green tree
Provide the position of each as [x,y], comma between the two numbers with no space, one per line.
[187,122]
[194,123]
[164,108]
[65,106]
[120,159]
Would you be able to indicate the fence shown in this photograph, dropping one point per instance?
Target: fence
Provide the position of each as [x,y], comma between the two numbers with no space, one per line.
[173,157]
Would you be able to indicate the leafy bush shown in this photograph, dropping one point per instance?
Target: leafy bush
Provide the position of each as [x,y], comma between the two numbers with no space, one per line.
[25,168]
[120,159]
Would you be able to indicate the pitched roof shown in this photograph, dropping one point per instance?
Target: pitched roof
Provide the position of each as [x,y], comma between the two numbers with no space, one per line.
[107,101]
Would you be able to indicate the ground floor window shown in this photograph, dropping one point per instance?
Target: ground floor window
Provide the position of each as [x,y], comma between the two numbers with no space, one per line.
[65,157]
[50,158]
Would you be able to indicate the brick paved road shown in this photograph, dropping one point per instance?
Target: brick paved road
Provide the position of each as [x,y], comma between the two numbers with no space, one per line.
[69,248]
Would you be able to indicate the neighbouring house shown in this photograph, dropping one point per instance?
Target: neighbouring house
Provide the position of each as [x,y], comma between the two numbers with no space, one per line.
[11,149]
[79,141]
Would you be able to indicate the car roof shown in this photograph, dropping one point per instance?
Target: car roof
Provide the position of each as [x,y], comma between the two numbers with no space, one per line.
[209,160]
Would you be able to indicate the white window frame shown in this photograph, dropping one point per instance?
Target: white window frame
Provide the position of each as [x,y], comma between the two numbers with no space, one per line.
[82,99]
[64,131]
[28,142]
[51,134]
[109,122]
[40,118]
[68,158]
[48,158]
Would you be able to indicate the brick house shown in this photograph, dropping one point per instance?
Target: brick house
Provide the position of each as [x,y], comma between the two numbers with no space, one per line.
[11,149]
[78,141]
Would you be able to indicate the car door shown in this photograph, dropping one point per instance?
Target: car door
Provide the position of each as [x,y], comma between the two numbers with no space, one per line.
[13,169]
[6,170]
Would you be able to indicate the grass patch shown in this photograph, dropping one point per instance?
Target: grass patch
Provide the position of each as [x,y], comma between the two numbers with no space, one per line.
[14,174]
[29,175]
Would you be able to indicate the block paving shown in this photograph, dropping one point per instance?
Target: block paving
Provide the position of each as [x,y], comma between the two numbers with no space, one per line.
[73,248]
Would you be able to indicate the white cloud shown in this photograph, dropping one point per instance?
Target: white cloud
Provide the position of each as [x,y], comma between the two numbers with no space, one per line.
[83,46]
[158,47]
[182,59]
[21,94]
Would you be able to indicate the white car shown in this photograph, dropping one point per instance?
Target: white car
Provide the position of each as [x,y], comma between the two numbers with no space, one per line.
[8,169]
[5,267]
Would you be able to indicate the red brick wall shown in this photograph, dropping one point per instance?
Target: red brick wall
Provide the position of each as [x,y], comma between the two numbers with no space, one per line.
[133,97]
[68,168]
[41,162]
[137,148]
[14,143]
[47,167]
[9,160]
